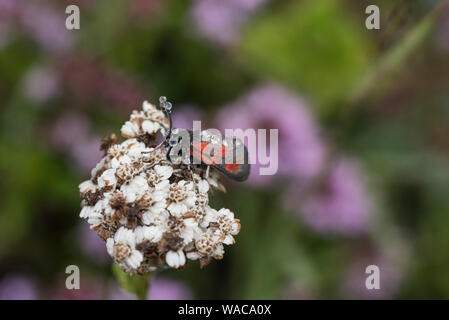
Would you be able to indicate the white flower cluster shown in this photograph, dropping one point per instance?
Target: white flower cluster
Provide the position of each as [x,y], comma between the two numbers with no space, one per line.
[149,211]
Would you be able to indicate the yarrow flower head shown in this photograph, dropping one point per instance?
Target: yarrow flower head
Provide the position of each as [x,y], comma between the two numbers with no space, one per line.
[150,212]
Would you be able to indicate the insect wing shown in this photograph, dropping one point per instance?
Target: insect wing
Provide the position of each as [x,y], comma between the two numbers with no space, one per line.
[200,154]
[235,161]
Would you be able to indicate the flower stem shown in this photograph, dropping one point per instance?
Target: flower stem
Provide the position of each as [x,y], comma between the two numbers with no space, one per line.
[137,285]
[383,75]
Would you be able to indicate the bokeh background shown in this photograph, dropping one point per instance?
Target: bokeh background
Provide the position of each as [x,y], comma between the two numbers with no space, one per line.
[363,119]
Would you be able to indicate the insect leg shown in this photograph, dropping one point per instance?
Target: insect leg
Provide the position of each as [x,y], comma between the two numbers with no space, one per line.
[207,172]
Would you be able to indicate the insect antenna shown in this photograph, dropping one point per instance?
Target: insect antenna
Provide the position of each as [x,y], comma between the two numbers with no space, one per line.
[166,107]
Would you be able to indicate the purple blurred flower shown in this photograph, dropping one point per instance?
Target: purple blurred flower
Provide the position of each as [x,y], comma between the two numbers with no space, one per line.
[339,204]
[217,20]
[247,5]
[184,116]
[17,287]
[69,134]
[117,293]
[43,24]
[68,129]
[8,8]
[5,33]
[160,289]
[8,13]
[301,150]
[145,8]
[167,289]
[88,80]
[41,84]
[90,289]
[221,21]
[86,153]
[92,245]
[46,26]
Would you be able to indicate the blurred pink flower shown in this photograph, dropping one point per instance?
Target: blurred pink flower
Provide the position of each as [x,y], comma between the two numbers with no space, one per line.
[168,289]
[339,204]
[144,8]
[301,150]
[41,84]
[217,20]
[5,33]
[17,287]
[92,245]
[8,14]
[86,153]
[90,289]
[184,116]
[117,293]
[70,134]
[221,21]
[8,8]
[247,5]
[42,23]
[46,26]
[160,289]
[87,80]
[68,129]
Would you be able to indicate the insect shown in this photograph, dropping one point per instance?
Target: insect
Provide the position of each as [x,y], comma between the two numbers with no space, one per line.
[227,155]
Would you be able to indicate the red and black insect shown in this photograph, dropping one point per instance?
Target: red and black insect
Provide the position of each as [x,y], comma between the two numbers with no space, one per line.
[227,155]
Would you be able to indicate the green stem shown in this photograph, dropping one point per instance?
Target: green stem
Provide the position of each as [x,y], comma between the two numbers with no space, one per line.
[383,75]
[137,285]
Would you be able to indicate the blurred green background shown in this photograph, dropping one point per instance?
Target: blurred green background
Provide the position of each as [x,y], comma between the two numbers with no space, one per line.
[363,132]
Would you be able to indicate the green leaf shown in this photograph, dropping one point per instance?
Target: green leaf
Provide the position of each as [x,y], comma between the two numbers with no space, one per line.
[314,46]
[384,75]
[137,285]
[102,30]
